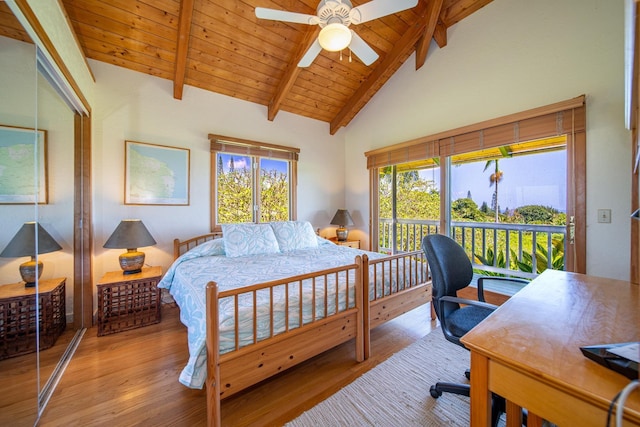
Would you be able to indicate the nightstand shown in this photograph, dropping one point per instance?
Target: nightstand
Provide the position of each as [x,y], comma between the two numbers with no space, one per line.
[128,301]
[18,314]
[351,243]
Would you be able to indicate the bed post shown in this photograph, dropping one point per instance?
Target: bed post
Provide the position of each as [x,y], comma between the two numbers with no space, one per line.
[366,329]
[213,364]
[176,248]
[359,303]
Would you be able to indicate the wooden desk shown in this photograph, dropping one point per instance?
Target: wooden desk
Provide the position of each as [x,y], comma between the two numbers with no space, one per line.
[528,351]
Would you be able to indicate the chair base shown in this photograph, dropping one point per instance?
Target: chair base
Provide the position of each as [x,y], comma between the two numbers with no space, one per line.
[459,389]
[498,404]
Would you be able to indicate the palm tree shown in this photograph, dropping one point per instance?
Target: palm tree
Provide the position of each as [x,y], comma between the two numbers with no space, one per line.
[494,179]
[496,176]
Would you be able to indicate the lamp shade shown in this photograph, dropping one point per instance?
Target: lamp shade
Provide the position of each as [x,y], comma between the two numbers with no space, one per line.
[24,242]
[342,218]
[334,37]
[32,239]
[129,234]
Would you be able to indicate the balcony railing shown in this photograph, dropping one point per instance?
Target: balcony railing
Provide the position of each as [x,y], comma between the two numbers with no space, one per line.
[522,250]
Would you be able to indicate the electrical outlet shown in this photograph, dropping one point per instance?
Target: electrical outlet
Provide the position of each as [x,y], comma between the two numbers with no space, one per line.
[604,215]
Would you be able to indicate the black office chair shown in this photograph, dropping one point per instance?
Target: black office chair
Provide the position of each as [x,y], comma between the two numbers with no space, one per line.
[451,271]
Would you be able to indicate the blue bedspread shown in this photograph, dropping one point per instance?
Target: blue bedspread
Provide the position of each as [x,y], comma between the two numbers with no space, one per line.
[187,278]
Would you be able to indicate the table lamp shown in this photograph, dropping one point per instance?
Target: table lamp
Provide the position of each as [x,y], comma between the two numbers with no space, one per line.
[24,244]
[130,235]
[342,219]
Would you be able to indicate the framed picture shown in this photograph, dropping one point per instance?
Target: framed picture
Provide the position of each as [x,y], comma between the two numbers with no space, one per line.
[156,174]
[23,155]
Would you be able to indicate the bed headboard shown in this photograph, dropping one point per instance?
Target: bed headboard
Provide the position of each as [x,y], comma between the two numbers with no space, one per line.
[180,247]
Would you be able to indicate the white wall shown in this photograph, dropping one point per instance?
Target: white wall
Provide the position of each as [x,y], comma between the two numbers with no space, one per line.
[511,56]
[134,106]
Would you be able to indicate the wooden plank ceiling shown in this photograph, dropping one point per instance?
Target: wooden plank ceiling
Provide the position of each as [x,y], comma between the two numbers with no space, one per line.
[220,46]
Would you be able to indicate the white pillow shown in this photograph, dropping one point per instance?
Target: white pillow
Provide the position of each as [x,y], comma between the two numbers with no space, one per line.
[249,239]
[292,235]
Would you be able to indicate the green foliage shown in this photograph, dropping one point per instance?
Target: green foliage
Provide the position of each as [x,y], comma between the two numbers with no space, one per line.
[274,197]
[466,209]
[235,198]
[536,214]
[542,257]
[416,198]
[490,260]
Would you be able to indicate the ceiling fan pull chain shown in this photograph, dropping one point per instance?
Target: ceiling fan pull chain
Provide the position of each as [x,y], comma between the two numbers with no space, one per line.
[349,55]
[340,55]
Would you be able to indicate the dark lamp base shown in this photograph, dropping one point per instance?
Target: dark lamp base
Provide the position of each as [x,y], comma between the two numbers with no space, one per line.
[132,271]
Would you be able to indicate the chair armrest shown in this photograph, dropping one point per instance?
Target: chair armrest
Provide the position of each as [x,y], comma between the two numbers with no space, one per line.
[465,301]
[496,278]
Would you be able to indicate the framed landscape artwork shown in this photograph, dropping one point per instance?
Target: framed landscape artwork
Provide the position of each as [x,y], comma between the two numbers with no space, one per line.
[23,151]
[156,174]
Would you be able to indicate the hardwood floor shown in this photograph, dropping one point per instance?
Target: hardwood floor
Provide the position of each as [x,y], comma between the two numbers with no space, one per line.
[131,378]
[20,383]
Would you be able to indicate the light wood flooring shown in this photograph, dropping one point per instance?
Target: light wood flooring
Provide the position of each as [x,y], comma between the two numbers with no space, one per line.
[131,378]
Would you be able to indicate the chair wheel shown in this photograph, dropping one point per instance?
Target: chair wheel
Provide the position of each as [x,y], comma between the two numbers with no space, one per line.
[467,374]
[435,393]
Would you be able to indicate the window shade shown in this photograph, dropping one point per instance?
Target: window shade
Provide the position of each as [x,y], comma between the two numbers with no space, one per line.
[404,154]
[225,144]
[566,117]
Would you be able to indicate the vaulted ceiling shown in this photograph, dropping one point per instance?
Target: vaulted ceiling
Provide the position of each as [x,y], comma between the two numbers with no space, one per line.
[220,46]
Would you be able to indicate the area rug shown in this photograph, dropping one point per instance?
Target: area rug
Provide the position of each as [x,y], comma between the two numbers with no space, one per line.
[396,392]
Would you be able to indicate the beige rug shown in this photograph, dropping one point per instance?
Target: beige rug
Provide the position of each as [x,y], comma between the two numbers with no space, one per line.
[396,392]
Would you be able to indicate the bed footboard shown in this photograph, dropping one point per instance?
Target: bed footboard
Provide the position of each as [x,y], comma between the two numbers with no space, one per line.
[395,285]
[331,315]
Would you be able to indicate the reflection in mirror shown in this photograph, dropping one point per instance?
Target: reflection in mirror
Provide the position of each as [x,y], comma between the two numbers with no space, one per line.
[56,121]
[31,106]
[18,357]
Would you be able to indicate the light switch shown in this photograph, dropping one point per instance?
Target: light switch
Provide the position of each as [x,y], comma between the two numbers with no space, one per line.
[604,215]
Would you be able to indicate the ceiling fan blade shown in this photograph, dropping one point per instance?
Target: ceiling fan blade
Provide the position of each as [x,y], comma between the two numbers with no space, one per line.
[379,8]
[283,15]
[310,54]
[361,49]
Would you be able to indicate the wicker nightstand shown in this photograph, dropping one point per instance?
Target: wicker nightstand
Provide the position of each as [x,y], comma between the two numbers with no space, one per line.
[351,243]
[18,327]
[127,301]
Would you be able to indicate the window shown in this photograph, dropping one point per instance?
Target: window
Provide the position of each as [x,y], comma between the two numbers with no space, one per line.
[548,192]
[251,181]
[408,204]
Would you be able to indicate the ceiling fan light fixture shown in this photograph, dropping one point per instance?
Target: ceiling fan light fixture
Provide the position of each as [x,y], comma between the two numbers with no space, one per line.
[334,37]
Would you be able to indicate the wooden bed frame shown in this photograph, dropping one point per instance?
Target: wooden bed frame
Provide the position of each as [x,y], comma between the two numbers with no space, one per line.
[234,371]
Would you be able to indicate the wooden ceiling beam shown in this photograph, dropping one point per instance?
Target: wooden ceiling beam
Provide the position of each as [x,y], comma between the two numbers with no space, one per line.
[422,48]
[383,71]
[291,73]
[460,9]
[440,35]
[184,34]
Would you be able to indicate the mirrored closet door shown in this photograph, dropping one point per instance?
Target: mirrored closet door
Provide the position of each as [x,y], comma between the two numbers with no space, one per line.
[40,131]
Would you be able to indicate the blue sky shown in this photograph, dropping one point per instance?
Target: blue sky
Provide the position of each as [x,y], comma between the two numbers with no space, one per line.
[527,180]
[240,162]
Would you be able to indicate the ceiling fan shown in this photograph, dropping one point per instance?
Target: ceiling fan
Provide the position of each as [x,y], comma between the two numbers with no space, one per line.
[334,17]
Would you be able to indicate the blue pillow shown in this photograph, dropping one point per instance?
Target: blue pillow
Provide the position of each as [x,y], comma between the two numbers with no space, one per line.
[292,235]
[249,239]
